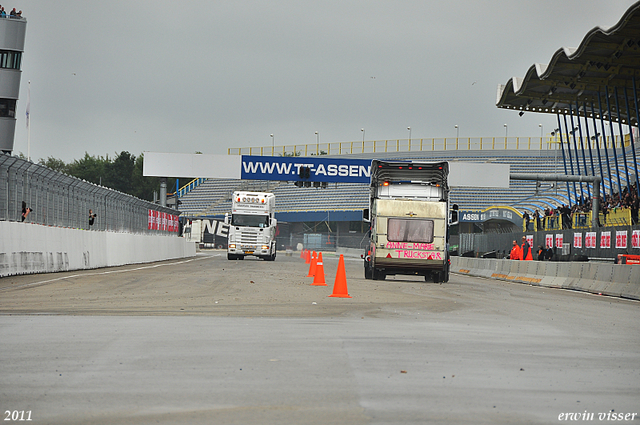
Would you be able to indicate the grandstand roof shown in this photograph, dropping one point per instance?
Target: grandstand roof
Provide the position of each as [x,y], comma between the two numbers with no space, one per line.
[606,60]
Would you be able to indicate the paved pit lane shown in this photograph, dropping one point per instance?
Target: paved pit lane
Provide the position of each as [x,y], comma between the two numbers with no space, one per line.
[206,340]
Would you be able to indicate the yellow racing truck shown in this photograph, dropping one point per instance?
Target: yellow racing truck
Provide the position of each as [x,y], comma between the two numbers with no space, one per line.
[409,220]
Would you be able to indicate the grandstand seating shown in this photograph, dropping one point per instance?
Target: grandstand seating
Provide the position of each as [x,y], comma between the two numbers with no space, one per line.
[213,197]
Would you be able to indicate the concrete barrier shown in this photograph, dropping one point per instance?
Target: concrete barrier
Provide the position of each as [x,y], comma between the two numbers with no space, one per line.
[619,280]
[27,248]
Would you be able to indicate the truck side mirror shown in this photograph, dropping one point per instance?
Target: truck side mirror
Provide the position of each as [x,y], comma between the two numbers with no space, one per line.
[453,219]
[274,222]
[226,218]
[365,215]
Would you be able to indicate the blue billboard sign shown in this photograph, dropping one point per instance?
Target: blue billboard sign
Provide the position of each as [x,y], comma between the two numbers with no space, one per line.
[319,169]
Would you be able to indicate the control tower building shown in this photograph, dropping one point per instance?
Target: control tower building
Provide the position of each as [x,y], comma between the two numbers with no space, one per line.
[12,33]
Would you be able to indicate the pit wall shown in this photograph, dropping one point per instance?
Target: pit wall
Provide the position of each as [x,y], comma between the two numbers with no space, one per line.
[618,280]
[27,248]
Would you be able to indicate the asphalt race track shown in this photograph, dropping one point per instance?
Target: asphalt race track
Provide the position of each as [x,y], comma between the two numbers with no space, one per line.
[210,341]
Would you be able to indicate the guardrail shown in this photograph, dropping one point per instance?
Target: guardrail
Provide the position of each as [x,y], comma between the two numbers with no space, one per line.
[549,222]
[431,144]
[616,217]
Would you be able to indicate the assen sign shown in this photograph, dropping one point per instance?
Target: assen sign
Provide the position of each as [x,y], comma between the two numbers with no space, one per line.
[319,169]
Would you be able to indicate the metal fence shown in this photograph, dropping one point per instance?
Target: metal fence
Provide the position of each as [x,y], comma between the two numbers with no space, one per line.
[477,244]
[323,241]
[57,199]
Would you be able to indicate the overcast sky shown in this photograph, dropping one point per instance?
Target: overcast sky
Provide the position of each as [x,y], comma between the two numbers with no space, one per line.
[186,76]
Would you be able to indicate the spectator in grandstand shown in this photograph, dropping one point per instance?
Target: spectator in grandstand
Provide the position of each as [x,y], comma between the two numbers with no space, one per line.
[515,252]
[565,212]
[3,14]
[92,218]
[13,12]
[536,219]
[526,250]
[527,221]
[25,210]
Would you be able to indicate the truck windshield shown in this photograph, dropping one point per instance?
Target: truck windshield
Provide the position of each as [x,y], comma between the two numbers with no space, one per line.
[410,230]
[250,220]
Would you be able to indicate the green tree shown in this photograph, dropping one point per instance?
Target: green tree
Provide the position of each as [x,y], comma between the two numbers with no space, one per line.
[120,172]
[91,169]
[143,187]
[55,164]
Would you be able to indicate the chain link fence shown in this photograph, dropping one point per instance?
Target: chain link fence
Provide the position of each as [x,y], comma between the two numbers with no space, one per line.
[56,199]
[324,241]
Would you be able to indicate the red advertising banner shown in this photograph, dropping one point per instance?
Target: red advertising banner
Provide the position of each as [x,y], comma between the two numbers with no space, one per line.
[590,240]
[559,240]
[635,239]
[158,220]
[530,241]
[621,239]
[605,240]
[577,240]
[549,240]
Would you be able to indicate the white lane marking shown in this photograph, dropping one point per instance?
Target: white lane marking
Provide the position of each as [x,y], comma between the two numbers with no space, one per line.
[27,285]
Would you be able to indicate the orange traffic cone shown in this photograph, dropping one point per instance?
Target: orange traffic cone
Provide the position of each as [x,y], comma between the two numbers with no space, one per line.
[312,265]
[318,278]
[302,253]
[340,285]
[307,257]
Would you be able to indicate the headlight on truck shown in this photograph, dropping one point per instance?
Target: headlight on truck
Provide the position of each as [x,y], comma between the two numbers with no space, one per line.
[266,247]
[232,246]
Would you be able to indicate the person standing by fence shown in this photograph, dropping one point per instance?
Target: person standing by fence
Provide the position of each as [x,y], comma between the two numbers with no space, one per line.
[515,252]
[526,250]
[25,210]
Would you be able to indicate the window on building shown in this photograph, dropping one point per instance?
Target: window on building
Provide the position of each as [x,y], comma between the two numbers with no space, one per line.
[7,108]
[10,59]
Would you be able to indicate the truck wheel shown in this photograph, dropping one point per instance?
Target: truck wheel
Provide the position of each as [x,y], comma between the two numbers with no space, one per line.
[240,257]
[231,257]
[378,275]
[438,277]
[368,272]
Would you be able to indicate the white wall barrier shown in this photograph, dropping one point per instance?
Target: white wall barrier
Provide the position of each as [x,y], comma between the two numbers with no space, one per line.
[27,248]
[619,280]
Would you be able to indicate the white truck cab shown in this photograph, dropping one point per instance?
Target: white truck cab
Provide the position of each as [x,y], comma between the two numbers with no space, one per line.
[252,226]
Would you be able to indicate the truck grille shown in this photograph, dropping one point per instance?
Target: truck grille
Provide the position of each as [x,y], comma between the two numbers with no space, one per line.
[248,238]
